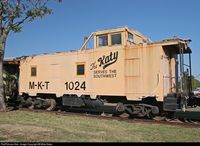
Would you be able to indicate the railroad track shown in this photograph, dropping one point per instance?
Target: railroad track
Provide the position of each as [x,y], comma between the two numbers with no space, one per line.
[123,117]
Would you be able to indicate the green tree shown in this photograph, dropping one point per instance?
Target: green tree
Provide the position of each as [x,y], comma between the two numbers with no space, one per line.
[13,14]
[195,83]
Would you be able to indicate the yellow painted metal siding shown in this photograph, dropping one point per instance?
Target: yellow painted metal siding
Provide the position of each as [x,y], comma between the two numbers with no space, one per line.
[132,67]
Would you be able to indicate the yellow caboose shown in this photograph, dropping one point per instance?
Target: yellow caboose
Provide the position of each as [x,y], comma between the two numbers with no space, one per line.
[124,72]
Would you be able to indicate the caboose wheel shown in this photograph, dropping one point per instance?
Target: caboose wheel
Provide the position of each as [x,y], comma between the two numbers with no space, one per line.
[52,104]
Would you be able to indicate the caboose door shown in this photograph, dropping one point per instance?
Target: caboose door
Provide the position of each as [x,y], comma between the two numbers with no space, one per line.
[169,71]
[166,75]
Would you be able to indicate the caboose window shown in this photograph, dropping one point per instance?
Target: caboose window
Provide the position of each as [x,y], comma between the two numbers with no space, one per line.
[33,71]
[130,37]
[116,39]
[103,40]
[80,69]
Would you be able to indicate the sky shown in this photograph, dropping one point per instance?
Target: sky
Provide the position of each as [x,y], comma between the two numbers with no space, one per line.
[72,20]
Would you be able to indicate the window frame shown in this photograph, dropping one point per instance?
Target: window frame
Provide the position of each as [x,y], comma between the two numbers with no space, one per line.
[111,38]
[34,66]
[80,63]
[103,35]
[131,41]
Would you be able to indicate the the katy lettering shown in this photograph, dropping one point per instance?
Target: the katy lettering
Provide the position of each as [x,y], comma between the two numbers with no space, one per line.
[39,85]
[106,61]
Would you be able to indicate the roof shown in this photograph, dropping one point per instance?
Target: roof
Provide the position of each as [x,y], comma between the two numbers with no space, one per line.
[11,60]
[177,44]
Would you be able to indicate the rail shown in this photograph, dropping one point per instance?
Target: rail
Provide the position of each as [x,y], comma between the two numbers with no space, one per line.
[85,43]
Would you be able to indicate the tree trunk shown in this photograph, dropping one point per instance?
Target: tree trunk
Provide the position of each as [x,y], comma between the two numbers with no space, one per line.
[2,99]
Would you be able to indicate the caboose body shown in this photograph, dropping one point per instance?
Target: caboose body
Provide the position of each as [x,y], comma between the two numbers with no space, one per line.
[123,67]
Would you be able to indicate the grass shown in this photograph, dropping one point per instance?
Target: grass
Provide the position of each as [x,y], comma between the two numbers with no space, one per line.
[22,126]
